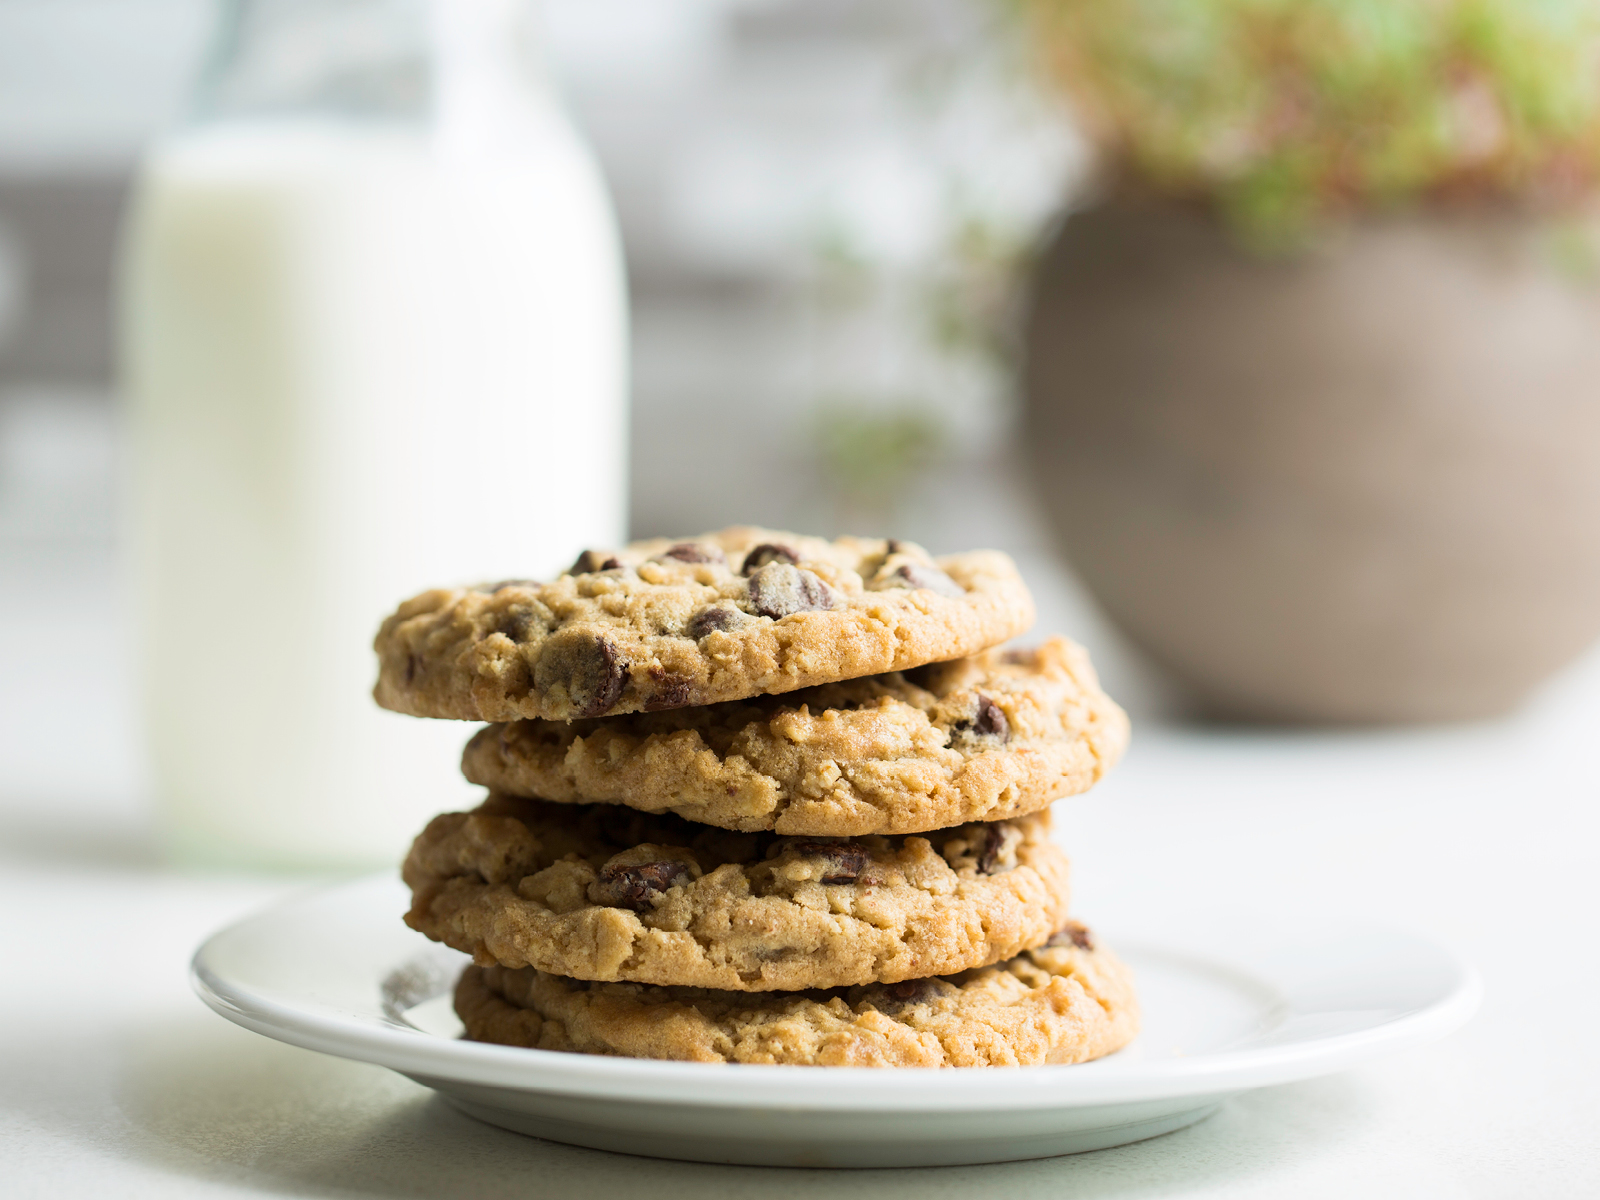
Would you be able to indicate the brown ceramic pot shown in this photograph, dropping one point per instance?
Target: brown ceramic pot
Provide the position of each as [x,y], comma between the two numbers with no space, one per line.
[1358,486]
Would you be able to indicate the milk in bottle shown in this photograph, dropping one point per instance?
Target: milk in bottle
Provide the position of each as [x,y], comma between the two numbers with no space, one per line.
[373,322]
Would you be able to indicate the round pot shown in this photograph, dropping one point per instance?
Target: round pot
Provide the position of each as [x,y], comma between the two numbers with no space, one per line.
[1356,486]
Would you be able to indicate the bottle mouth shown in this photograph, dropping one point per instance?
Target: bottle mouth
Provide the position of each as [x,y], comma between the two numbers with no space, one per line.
[371,59]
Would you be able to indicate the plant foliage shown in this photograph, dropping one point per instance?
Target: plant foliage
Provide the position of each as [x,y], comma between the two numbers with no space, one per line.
[1289,113]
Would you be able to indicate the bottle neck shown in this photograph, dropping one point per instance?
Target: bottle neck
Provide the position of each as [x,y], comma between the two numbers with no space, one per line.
[489,79]
[466,67]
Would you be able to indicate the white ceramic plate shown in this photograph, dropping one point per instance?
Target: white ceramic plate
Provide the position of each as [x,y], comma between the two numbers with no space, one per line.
[1235,1005]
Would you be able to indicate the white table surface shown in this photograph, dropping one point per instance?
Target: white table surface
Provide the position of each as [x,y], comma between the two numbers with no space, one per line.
[114,1080]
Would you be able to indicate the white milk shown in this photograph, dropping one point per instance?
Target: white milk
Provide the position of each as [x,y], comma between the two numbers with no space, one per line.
[362,361]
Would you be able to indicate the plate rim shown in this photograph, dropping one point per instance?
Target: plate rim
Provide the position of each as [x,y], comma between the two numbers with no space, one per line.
[868,1090]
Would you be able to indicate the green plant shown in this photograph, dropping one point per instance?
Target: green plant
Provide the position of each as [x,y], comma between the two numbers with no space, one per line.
[867,451]
[1287,114]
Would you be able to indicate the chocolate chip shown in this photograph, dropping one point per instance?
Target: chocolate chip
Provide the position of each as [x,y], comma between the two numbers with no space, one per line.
[1072,934]
[907,989]
[994,841]
[1017,658]
[636,886]
[515,623]
[593,560]
[893,546]
[780,589]
[589,666]
[908,992]
[928,576]
[671,691]
[505,583]
[412,666]
[708,620]
[765,553]
[989,721]
[843,861]
[692,552]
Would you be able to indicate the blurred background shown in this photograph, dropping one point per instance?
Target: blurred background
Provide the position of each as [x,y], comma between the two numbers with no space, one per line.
[1294,423]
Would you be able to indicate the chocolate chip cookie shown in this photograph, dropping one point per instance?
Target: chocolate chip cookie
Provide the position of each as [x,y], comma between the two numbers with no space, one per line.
[1066,1002]
[664,624]
[603,892]
[983,738]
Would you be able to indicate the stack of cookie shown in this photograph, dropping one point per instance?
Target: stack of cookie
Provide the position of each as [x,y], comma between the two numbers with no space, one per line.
[756,797]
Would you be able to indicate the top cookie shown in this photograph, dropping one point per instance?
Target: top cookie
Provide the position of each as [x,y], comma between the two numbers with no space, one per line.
[664,624]
[984,738]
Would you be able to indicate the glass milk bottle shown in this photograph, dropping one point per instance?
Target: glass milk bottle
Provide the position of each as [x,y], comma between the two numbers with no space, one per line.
[373,317]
